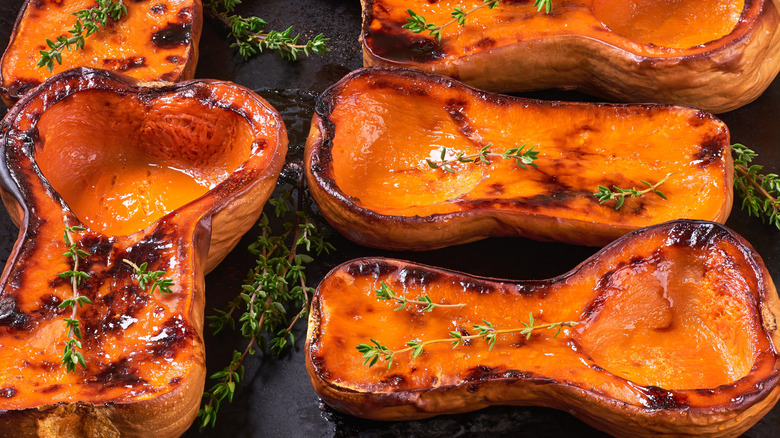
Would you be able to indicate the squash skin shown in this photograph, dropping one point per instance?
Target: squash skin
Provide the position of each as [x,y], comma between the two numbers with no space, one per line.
[558,205]
[345,313]
[185,243]
[717,76]
[155,41]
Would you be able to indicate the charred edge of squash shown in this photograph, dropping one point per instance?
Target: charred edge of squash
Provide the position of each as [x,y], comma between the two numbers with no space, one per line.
[430,53]
[86,78]
[17,186]
[13,92]
[659,402]
[320,160]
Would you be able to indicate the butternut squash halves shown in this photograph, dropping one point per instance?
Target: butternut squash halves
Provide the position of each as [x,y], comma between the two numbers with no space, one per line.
[380,138]
[669,331]
[171,176]
[717,55]
[154,41]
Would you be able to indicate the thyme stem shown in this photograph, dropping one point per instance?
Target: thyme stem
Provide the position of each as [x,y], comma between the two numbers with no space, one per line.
[375,351]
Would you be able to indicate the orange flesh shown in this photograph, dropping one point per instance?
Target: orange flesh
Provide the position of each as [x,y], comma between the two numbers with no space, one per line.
[674,317]
[126,46]
[122,167]
[656,27]
[669,23]
[384,136]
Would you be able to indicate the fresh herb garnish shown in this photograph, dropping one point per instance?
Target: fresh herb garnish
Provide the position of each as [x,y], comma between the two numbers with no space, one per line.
[385,292]
[521,156]
[89,21]
[759,192]
[275,283]
[155,278]
[416,23]
[251,37]
[606,194]
[71,356]
[374,352]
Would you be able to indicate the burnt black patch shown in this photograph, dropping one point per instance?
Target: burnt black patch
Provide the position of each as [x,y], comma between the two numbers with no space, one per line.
[125,64]
[10,316]
[376,269]
[394,380]
[479,372]
[120,373]
[171,338]
[123,307]
[173,35]
[159,9]
[21,86]
[711,150]
[695,235]
[8,392]
[658,398]
[421,277]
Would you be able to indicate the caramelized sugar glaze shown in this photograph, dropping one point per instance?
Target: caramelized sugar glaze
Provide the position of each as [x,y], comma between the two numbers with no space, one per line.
[171,176]
[155,41]
[373,131]
[714,54]
[677,336]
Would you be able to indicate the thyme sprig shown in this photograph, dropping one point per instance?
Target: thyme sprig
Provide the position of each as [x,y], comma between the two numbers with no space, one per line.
[88,21]
[272,286]
[71,356]
[759,192]
[155,278]
[521,156]
[375,351]
[251,38]
[605,194]
[416,23]
[385,292]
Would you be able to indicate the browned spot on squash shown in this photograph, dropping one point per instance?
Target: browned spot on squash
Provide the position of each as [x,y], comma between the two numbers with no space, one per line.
[51,388]
[173,59]
[484,43]
[376,269]
[125,64]
[411,277]
[171,338]
[8,392]
[120,373]
[173,35]
[159,9]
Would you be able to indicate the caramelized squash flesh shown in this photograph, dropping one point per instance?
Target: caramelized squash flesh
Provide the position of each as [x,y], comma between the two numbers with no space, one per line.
[167,176]
[156,157]
[674,332]
[372,141]
[712,54]
[154,41]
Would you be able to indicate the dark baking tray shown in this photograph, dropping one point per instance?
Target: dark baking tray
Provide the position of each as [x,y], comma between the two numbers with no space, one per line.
[276,398]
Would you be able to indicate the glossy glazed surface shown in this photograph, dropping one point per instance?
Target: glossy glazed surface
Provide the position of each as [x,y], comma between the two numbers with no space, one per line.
[144,355]
[376,129]
[155,41]
[673,320]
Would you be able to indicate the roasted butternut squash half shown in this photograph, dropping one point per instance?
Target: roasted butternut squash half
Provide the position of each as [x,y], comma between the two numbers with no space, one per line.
[154,41]
[669,331]
[378,134]
[170,176]
[717,55]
